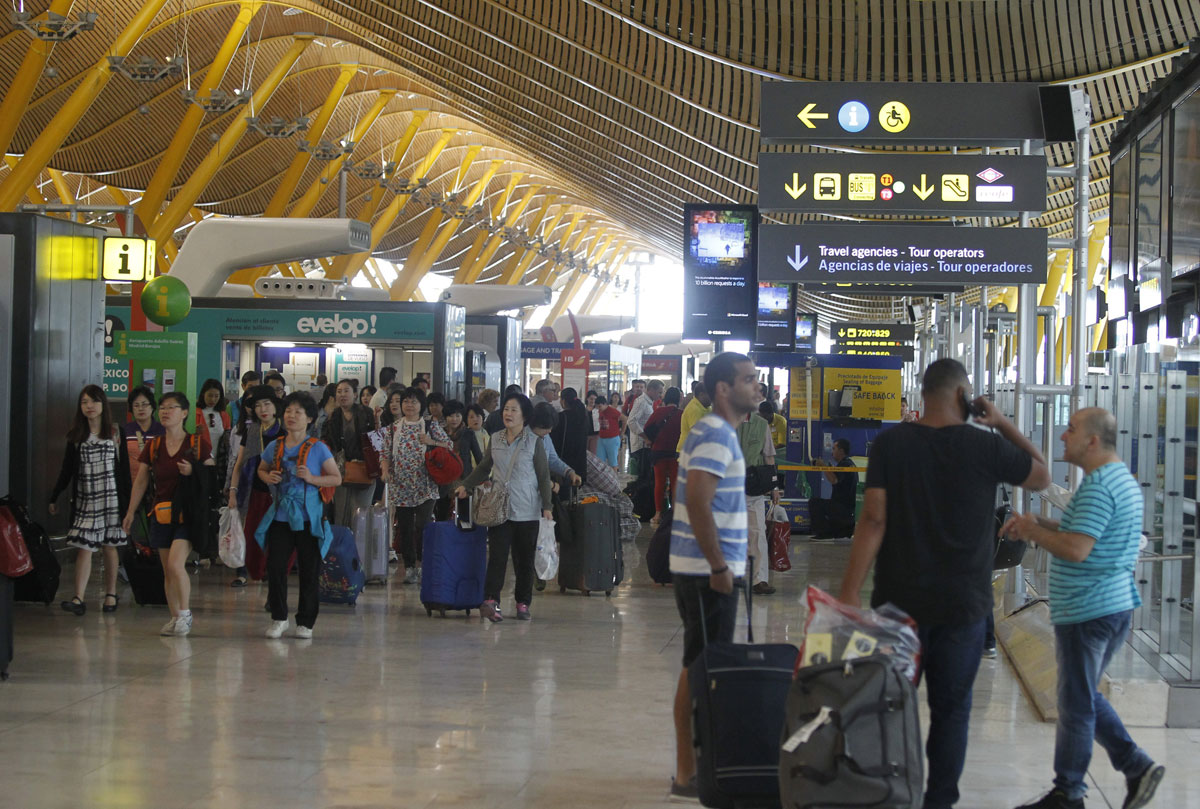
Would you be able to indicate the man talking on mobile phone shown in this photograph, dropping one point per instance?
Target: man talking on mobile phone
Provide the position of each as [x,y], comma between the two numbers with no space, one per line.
[709,536]
[928,523]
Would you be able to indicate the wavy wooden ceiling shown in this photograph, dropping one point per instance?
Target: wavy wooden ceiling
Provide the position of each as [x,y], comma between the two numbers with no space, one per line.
[624,110]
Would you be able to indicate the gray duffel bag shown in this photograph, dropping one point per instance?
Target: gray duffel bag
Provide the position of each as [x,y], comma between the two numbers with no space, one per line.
[851,738]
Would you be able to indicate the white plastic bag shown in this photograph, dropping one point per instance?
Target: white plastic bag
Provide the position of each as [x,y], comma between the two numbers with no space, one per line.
[232,545]
[777,514]
[545,560]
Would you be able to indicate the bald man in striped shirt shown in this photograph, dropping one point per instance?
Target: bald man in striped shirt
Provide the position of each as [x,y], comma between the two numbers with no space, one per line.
[1092,598]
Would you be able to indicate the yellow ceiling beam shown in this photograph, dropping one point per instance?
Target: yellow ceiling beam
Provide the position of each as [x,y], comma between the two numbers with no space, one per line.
[304,206]
[295,170]
[602,286]
[547,274]
[65,197]
[477,247]
[519,275]
[165,225]
[181,142]
[572,287]
[493,244]
[55,133]
[414,271]
[514,268]
[32,194]
[370,206]
[20,89]
[385,221]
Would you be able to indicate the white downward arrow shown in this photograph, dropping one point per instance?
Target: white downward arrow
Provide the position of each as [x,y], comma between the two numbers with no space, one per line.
[797,262]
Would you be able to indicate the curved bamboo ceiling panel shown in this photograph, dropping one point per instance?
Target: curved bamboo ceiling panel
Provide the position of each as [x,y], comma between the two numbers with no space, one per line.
[623,111]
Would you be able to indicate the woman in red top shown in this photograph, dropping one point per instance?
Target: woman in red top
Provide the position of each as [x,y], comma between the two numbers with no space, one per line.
[608,445]
[662,428]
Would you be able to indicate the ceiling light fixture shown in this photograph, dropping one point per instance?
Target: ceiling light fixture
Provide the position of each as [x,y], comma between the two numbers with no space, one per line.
[217,100]
[276,127]
[146,69]
[56,27]
[292,12]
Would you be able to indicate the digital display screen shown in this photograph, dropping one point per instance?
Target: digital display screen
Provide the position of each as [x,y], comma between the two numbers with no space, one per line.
[806,332]
[775,319]
[720,297]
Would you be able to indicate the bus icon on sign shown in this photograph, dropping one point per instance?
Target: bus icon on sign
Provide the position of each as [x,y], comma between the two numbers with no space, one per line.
[828,186]
[861,187]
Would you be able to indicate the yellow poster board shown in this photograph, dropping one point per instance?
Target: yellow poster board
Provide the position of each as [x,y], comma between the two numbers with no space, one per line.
[878,395]
[799,406]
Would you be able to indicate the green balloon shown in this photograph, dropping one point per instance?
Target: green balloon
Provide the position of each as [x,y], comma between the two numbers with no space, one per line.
[166,300]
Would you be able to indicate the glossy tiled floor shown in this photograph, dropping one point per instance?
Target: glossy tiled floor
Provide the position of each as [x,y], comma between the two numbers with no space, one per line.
[389,708]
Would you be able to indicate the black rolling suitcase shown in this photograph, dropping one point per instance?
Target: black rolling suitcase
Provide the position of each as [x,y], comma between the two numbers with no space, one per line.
[852,738]
[145,572]
[738,695]
[590,556]
[41,583]
[658,553]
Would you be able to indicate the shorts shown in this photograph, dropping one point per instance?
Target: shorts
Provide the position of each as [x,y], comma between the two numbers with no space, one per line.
[161,536]
[720,614]
[607,449]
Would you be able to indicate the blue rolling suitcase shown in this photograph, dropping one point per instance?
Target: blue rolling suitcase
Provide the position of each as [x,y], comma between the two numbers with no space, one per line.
[342,576]
[454,561]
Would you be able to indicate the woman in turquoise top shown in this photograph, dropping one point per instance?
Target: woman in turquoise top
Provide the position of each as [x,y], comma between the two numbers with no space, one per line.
[295,520]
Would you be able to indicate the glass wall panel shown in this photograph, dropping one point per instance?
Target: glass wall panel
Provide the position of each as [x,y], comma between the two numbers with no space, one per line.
[1149,196]
[1185,184]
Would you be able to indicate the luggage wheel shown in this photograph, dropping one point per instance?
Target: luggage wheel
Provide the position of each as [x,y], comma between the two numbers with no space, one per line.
[607,593]
[429,612]
[586,592]
[442,613]
[562,588]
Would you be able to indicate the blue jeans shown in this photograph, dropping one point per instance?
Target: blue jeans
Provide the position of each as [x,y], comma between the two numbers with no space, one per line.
[949,661]
[1083,651]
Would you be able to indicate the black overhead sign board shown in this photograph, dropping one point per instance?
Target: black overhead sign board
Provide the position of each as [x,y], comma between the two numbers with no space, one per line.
[904,352]
[898,290]
[901,183]
[882,333]
[890,253]
[900,112]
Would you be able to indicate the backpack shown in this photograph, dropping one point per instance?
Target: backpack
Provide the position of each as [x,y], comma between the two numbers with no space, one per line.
[443,465]
[277,466]
[159,440]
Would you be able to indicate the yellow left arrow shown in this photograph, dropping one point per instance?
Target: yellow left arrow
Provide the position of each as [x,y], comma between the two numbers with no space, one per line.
[807,116]
[795,190]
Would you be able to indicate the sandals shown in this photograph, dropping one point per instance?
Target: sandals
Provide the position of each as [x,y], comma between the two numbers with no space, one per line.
[75,605]
[113,606]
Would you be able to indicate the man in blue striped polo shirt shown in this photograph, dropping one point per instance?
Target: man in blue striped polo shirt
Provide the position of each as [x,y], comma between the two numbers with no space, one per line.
[1092,597]
[708,535]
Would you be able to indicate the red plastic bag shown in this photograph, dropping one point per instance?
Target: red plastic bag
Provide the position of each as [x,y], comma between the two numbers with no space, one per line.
[14,554]
[779,536]
[837,631]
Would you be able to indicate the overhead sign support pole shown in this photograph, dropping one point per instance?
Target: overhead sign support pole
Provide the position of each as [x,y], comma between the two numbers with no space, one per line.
[1079,326]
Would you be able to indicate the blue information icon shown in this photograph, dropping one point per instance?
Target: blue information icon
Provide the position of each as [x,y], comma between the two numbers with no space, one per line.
[854,116]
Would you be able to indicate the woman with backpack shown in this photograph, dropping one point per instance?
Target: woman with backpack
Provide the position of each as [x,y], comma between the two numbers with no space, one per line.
[295,467]
[411,490]
[518,460]
[99,495]
[247,492]
[179,501]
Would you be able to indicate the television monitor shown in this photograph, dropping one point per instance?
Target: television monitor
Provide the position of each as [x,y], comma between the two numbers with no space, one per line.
[720,296]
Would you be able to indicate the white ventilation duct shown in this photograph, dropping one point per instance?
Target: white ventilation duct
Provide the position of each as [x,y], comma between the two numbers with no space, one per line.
[589,325]
[645,339]
[216,248]
[488,299]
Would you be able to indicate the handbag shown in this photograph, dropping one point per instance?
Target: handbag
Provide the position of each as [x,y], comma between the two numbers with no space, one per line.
[491,502]
[356,474]
[443,465]
[14,553]
[370,456]
[760,480]
[162,512]
[1009,552]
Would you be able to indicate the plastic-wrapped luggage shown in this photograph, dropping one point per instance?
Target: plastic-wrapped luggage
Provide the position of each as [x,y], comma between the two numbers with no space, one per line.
[372,535]
[453,566]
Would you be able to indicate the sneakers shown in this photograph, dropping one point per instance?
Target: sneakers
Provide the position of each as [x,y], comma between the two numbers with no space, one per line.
[277,628]
[393,557]
[684,793]
[183,625]
[523,613]
[490,609]
[168,628]
[304,632]
[989,652]
[410,575]
[1141,789]
[1055,799]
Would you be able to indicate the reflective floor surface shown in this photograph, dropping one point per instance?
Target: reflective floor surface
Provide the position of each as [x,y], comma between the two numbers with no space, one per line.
[386,707]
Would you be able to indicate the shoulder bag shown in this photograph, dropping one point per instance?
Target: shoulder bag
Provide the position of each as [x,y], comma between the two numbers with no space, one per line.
[491,502]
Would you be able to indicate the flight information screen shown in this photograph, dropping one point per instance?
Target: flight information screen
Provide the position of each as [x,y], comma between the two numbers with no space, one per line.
[721,296]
